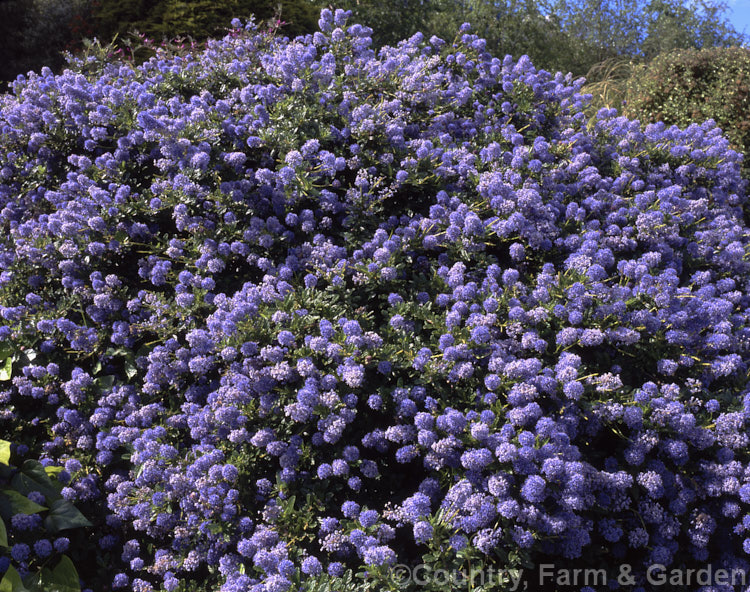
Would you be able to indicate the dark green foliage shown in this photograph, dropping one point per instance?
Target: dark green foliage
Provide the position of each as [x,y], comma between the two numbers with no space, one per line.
[394,20]
[12,17]
[518,27]
[682,87]
[199,19]
[33,33]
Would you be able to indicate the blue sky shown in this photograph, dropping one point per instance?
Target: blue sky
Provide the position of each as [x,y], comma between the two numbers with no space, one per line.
[739,14]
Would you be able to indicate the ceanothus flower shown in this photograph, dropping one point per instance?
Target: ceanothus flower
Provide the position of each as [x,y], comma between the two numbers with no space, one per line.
[534,489]
[423,531]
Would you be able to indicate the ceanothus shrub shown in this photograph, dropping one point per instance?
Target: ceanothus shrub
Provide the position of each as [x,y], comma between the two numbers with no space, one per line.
[300,312]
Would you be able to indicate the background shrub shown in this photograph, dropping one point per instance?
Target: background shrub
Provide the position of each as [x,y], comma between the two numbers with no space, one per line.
[689,86]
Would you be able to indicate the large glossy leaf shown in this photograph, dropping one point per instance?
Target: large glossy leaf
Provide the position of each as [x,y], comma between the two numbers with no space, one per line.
[63,578]
[33,477]
[12,502]
[6,368]
[12,582]
[33,581]
[63,515]
[130,369]
[3,534]
[53,470]
[104,382]
[4,452]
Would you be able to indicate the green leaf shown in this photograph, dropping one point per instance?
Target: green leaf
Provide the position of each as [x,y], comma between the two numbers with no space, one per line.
[3,534]
[130,370]
[28,355]
[33,477]
[4,452]
[33,581]
[64,578]
[12,502]
[104,382]
[53,470]
[6,368]
[12,582]
[64,515]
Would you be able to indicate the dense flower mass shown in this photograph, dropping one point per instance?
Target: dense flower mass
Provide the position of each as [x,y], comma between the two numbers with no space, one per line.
[286,313]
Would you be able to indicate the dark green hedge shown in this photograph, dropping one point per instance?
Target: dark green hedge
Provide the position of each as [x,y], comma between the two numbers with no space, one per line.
[689,86]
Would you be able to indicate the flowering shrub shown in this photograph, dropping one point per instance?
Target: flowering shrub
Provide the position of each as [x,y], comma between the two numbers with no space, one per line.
[290,312]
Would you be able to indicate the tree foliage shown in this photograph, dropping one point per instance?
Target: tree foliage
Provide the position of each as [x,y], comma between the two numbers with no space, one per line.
[675,24]
[34,32]
[567,35]
[12,17]
[517,27]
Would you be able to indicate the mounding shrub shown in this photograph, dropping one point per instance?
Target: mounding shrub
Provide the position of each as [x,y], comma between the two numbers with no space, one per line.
[290,313]
[683,87]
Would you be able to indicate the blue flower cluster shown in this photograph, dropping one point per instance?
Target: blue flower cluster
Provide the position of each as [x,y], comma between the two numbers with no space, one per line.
[288,309]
